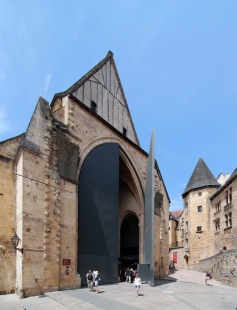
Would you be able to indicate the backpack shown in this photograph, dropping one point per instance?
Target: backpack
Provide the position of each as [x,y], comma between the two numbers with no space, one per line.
[90,276]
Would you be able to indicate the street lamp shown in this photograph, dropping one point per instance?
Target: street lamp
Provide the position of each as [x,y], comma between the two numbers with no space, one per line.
[15,241]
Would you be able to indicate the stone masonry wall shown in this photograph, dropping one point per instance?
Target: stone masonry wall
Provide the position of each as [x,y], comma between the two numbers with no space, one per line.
[8,150]
[179,252]
[46,203]
[47,209]
[89,132]
[7,227]
[223,266]
[197,243]
[223,235]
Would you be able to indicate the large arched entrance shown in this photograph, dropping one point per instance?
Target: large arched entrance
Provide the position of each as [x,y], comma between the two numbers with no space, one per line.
[98,206]
[107,201]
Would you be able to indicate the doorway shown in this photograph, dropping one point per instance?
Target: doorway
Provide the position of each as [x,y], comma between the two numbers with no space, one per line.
[98,206]
[129,241]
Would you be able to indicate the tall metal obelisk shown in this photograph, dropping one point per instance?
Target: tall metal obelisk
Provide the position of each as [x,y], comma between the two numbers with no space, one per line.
[149,211]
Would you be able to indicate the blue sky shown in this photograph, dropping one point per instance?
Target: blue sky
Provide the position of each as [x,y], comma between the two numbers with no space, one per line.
[177,61]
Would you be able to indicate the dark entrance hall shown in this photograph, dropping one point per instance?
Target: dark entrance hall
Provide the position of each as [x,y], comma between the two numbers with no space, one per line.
[129,240]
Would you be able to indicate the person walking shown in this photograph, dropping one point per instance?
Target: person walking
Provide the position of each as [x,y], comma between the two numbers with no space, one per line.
[90,280]
[97,279]
[131,275]
[210,280]
[127,273]
[137,283]
[207,277]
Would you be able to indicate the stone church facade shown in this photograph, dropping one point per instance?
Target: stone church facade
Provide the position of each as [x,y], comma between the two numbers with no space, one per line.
[41,187]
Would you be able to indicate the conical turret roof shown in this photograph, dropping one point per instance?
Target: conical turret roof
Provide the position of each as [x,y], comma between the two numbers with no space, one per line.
[201,177]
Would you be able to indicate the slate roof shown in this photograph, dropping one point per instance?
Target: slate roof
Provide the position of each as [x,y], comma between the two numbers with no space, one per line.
[176,214]
[74,87]
[201,177]
[227,183]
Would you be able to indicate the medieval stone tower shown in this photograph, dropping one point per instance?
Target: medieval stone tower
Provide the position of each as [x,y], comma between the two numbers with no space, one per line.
[196,220]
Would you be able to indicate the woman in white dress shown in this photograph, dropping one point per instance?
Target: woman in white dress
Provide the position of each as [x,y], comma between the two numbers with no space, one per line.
[137,283]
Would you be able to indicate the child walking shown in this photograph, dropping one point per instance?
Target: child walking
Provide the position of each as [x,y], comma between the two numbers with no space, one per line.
[137,283]
[97,279]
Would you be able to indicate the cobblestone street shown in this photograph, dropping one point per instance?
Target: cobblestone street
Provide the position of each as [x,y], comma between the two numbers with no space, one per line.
[184,289]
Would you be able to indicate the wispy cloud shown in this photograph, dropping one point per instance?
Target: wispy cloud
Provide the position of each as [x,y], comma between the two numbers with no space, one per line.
[23,29]
[5,125]
[46,83]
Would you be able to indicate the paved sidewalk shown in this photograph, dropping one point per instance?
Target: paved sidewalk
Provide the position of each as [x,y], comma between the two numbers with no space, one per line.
[191,276]
[12,302]
[170,293]
[165,295]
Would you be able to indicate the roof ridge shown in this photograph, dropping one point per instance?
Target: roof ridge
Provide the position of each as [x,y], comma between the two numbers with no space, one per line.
[227,182]
[76,85]
[119,81]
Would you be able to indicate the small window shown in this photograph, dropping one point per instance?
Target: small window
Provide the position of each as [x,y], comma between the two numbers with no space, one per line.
[199,208]
[199,228]
[200,194]
[228,220]
[124,131]
[230,194]
[93,106]
[217,225]
[186,243]
[186,226]
[186,208]
[226,198]
[218,206]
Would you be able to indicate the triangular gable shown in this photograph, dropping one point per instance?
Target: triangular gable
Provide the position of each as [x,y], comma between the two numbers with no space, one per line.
[102,85]
[10,146]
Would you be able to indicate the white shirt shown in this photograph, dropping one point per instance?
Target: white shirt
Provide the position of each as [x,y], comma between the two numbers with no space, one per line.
[137,281]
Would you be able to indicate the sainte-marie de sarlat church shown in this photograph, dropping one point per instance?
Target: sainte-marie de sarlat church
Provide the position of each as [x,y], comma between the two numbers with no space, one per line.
[72,191]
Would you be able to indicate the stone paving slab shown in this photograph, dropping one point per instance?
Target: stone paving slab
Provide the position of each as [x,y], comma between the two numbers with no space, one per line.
[191,276]
[168,294]
[12,302]
[67,299]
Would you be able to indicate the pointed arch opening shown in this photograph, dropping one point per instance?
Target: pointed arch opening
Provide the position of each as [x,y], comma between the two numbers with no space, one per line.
[109,200]
[129,234]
